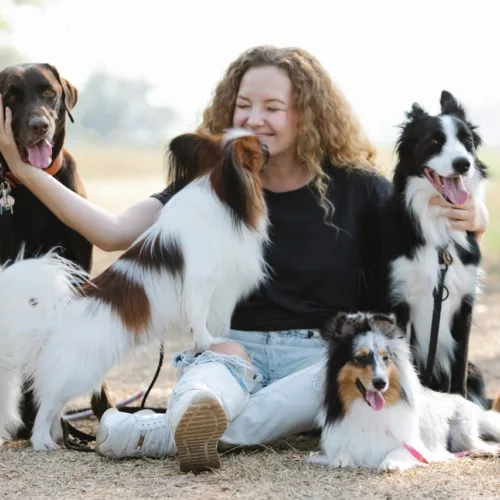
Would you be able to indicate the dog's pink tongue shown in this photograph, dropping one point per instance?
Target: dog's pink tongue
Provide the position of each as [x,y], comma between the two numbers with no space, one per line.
[40,154]
[454,189]
[375,399]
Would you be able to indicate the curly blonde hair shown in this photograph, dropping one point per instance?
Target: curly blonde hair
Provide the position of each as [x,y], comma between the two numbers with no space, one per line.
[328,128]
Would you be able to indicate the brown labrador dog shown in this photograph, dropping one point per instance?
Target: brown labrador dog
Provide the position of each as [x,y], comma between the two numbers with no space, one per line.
[39,100]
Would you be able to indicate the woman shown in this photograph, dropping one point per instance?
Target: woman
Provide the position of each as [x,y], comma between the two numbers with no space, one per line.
[262,384]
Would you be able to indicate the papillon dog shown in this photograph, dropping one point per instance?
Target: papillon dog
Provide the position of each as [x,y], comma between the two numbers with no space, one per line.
[182,277]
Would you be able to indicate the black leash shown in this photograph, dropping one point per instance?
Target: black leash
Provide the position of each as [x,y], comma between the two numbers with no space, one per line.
[77,440]
[445,260]
[7,245]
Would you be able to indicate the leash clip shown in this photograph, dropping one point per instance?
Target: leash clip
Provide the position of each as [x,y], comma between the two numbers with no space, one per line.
[447,258]
[6,200]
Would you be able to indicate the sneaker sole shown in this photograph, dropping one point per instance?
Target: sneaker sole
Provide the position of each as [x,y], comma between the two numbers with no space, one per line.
[198,433]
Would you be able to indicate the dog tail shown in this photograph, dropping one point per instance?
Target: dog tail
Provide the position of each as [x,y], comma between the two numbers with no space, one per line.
[33,296]
[489,425]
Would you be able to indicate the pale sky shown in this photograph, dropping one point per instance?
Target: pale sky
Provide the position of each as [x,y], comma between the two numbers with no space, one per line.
[383,54]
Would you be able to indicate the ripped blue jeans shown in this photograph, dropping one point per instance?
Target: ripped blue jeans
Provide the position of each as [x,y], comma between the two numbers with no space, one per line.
[277,394]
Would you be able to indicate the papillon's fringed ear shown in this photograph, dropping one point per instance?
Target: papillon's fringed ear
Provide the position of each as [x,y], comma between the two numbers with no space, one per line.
[250,154]
[341,326]
[233,183]
[189,156]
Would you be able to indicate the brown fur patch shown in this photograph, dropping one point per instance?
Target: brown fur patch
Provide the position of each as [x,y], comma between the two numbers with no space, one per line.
[496,403]
[127,299]
[157,256]
[348,391]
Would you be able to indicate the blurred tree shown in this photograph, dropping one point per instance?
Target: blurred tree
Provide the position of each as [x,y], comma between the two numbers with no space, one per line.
[109,109]
[118,110]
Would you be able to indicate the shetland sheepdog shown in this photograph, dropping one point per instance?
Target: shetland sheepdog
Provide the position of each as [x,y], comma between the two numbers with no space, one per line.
[437,155]
[183,276]
[375,412]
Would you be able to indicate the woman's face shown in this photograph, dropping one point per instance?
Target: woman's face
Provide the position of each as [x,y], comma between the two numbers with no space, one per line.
[265,106]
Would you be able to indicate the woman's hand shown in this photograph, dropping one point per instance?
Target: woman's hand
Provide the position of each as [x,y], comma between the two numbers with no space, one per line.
[471,216]
[8,146]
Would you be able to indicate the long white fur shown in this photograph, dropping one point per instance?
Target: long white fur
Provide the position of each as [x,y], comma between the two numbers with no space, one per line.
[374,439]
[414,279]
[68,345]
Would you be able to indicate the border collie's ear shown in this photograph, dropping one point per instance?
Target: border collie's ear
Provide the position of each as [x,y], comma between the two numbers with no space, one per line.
[339,327]
[450,106]
[188,155]
[416,112]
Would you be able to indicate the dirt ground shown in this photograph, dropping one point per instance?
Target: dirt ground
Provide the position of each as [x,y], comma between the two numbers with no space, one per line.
[265,472]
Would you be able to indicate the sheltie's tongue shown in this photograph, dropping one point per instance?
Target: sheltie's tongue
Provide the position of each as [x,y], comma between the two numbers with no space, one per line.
[454,189]
[375,399]
[40,154]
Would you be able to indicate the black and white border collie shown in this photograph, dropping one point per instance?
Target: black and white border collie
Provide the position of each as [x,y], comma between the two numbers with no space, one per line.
[375,412]
[436,156]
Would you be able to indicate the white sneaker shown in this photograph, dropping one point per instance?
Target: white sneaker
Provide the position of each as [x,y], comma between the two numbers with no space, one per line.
[198,422]
[134,435]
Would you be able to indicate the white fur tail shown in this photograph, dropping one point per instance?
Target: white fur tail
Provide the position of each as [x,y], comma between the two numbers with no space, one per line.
[489,425]
[33,294]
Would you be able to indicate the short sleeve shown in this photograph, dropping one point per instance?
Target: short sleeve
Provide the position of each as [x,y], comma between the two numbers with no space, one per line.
[163,196]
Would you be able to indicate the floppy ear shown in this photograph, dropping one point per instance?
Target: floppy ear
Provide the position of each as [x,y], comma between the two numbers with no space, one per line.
[386,324]
[244,158]
[69,91]
[188,155]
[341,326]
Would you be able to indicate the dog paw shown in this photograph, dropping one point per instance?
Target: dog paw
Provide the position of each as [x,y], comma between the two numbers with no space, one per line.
[390,465]
[341,461]
[44,444]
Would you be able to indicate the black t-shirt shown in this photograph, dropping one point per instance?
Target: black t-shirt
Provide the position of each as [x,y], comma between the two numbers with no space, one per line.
[316,268]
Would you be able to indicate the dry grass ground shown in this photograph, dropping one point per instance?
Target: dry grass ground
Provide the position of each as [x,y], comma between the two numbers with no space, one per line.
[265,472]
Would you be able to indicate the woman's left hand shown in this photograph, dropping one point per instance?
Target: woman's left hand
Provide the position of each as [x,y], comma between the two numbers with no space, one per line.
[471,216]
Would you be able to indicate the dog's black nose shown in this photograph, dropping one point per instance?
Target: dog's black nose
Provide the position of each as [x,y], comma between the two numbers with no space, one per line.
[461,165]
[39,124]
[379,383]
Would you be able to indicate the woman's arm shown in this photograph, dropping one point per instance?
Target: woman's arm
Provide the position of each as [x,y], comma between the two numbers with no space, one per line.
[105,230]
[471,216]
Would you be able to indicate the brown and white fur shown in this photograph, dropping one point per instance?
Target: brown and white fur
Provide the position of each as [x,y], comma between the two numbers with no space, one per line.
[374,404]
[183,276]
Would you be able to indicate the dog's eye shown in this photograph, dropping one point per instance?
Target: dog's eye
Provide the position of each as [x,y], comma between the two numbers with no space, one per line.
[361,360]
[386,358]
[49,92]
[11,98]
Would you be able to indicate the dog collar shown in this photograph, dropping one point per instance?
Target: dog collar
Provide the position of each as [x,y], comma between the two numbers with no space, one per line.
[54,167]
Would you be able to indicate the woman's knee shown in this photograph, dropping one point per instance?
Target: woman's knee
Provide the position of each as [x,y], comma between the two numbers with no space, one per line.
[230,348]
